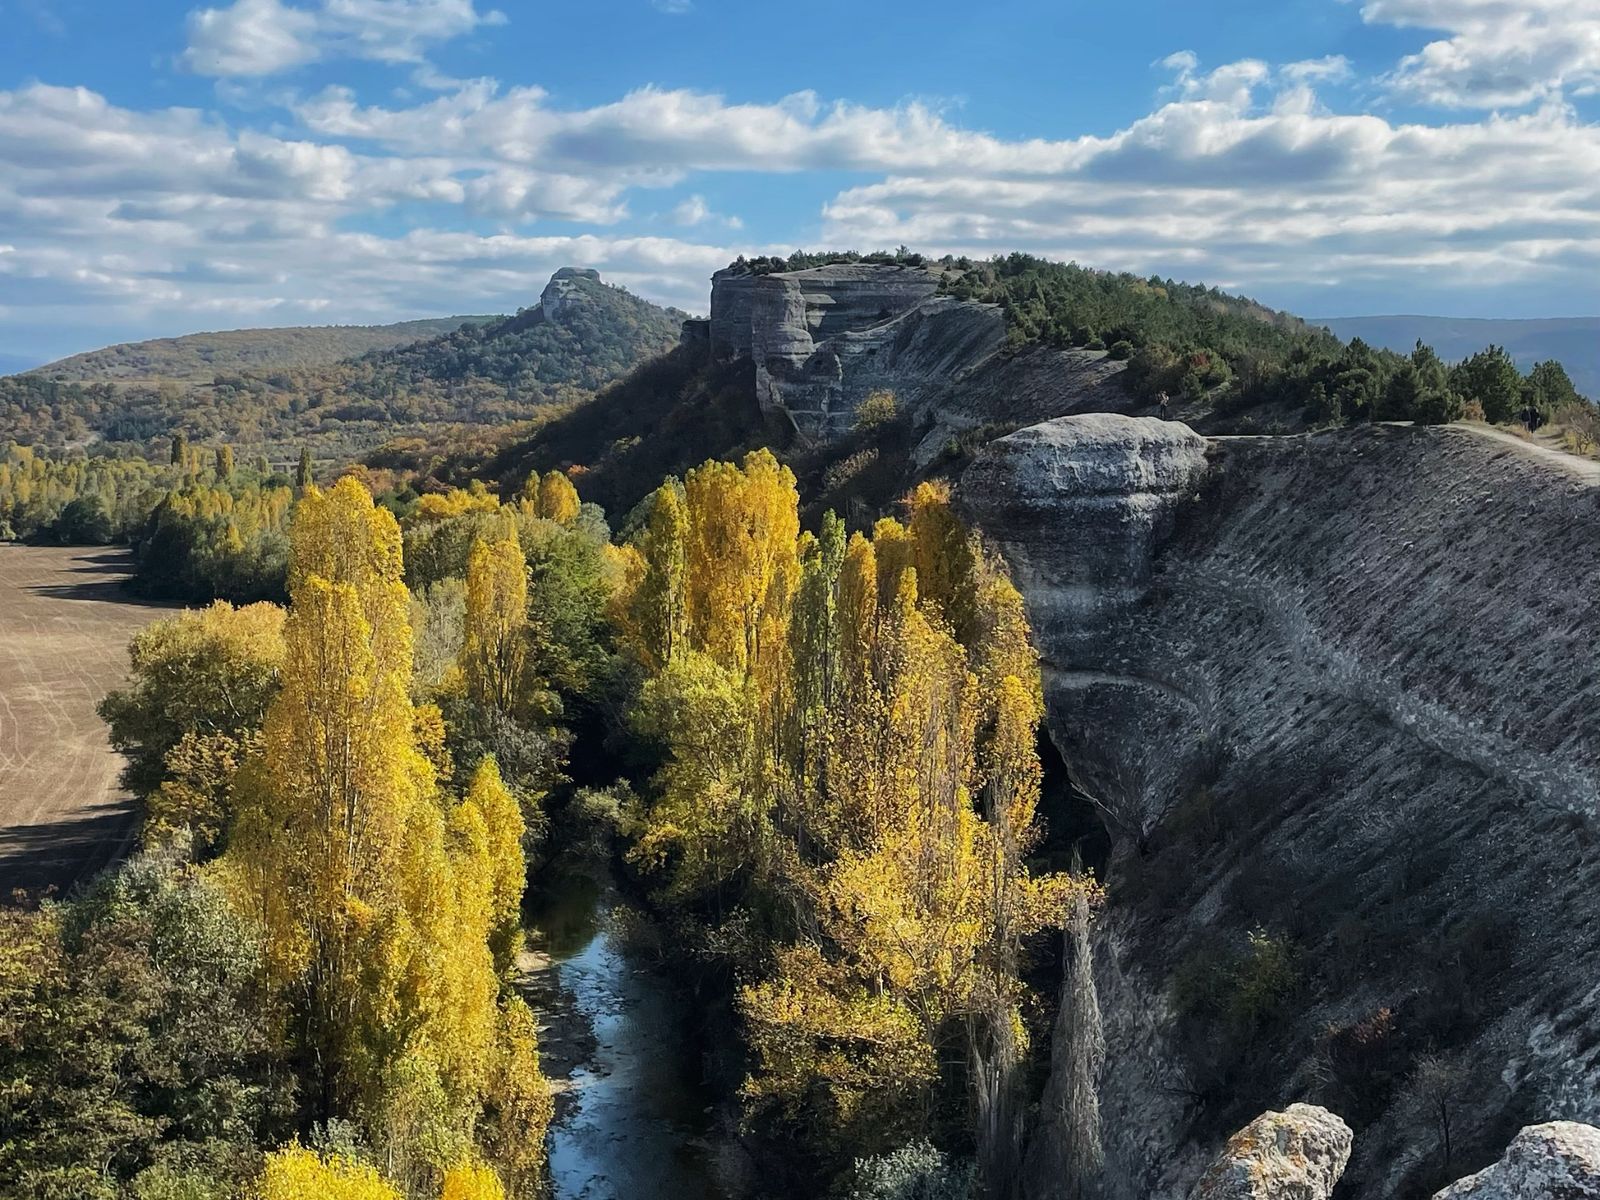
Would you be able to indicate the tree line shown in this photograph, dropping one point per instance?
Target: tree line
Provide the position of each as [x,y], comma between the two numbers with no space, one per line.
[1194,344]
[304,984]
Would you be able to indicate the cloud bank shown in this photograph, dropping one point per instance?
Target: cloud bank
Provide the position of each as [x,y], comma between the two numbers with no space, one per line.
[1242,174]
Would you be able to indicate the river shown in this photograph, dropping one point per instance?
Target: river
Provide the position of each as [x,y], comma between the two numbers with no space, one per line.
[632,1116]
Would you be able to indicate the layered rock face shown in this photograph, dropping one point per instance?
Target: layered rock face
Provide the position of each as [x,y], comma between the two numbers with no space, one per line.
[1297,1154]
[1339,690]
[1086,564]
[822,339]
[563,289]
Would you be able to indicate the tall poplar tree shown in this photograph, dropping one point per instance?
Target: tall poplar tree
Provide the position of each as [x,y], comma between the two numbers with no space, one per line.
[496,647]
[378,896]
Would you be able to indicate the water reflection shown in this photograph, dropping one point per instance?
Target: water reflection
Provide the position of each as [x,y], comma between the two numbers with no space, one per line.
[631,1118]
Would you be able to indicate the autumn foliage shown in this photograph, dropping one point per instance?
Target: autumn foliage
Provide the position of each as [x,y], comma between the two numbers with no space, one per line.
[849,732]
[379,894]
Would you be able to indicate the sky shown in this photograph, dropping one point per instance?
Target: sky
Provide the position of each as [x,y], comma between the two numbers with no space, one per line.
[167,167]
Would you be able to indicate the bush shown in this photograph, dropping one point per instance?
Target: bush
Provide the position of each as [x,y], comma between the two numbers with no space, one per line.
[136,1016]
[1122,350]
[84,522]
[1247,988]
[914,1172]
[878,409]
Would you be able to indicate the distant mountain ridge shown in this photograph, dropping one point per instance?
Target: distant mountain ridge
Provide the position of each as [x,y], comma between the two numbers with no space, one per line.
[1573,340]
[582,335]
[199,357]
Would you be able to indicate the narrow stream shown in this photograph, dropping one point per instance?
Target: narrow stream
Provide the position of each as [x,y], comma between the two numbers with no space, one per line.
[632,1118]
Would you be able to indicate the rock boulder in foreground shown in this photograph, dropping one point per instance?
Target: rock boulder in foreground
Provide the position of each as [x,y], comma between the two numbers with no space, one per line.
[1558,1161]
[1297,1154]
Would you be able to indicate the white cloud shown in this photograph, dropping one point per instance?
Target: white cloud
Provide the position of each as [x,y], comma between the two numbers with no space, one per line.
[1240,176]
[1500,53]
[167,220]
[264,37]
[695,211]
[675,7]
[1237,187]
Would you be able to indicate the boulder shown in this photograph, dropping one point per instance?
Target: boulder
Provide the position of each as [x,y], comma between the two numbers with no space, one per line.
[1558,1161]
[1297,1154]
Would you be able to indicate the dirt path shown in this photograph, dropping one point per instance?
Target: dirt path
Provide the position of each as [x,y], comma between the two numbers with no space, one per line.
[1584,468]
[64,630]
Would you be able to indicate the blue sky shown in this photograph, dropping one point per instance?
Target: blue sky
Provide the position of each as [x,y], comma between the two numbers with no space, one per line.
[168,166]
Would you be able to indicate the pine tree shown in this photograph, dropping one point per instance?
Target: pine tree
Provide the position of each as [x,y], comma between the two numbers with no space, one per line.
[302,471]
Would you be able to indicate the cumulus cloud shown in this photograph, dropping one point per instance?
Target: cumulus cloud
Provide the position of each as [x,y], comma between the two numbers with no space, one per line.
[695,211]
[1240,175]
[264,37]
[126,218]
[1262,195]
[1500,53]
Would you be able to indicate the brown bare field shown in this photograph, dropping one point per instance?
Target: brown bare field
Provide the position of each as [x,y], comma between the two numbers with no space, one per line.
[64,630]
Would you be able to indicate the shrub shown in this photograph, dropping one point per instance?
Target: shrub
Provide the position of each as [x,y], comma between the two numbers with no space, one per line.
[843,471]
[1247,988]
[878,409]
[914,1172]
[1122,350]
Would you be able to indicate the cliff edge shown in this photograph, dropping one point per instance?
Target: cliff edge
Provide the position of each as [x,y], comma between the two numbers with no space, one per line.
[1333,697]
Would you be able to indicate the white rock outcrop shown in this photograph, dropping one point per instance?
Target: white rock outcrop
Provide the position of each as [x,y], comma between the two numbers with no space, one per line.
[1558,1161]
[821,339]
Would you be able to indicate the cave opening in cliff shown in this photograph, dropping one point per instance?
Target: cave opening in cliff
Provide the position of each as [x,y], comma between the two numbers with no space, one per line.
[1071,820]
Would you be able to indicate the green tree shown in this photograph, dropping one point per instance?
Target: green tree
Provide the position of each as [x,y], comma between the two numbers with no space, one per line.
[134,1035]
[1491,378]
[1549,389]
[199,687]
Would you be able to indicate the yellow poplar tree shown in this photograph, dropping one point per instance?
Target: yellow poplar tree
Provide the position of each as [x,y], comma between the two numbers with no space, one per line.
[295,1173]
[553,497]
[377,903]
[496,621]
[658,616]
[504,829]
[472,1181]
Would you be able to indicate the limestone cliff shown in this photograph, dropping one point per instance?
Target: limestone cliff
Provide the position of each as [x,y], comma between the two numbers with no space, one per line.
[563,289]
[822,339]
[1334,696]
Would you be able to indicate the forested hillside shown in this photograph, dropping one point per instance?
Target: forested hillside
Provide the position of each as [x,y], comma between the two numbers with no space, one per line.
[1573,340]
[200,357]
[503,371]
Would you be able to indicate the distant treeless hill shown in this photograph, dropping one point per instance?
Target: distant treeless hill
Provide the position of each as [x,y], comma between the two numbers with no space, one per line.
[198,357]
[1573,340]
